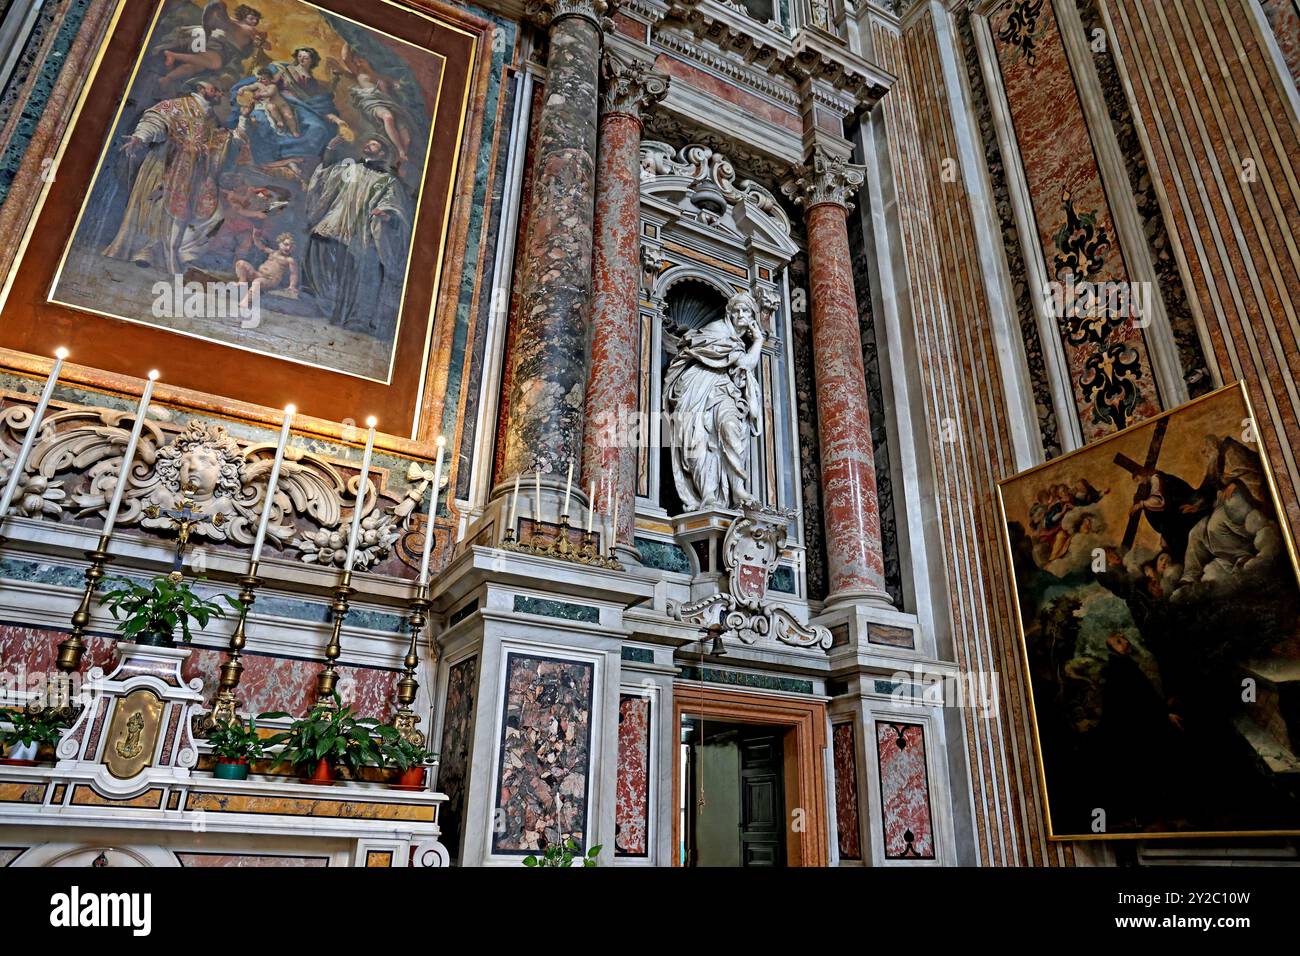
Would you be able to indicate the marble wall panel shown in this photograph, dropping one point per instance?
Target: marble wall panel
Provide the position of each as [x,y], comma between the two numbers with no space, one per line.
[904,791]
[632,810]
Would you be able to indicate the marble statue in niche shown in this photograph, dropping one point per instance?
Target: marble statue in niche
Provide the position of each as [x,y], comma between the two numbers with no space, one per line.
[714,407]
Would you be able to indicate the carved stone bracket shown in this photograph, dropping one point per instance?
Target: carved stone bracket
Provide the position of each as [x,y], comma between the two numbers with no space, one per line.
[751,551]
[827,179]
[629,85]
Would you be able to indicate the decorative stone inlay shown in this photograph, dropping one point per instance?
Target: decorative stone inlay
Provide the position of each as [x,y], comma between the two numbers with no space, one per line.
[630,85]
[561,609]
[827,179]
[711,675]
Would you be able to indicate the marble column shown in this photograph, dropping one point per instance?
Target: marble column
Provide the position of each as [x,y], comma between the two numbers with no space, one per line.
[609,453]
[548,365]
[851,509]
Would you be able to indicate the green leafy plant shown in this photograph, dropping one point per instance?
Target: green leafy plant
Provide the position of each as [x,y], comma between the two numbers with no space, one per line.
[566,853]
[236,740]
[335,734]
[400,752]
[153,611]
[44,727]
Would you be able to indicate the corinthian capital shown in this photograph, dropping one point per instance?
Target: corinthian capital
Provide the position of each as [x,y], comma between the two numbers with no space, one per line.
[547,13]
[629,85]
[827,178]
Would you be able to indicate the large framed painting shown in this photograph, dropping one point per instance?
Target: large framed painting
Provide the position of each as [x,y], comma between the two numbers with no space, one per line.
[1156,588]
[255,199]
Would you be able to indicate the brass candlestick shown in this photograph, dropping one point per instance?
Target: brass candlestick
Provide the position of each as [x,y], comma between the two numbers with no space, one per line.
[73,647]
[404,720]
[225,706]
[327,678]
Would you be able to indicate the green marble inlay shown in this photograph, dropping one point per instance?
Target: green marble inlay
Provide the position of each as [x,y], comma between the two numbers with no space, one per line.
[639,655]
[35,572]
[561,609]
[663,555]
[897,689]
[464,611]
[709,675]
[782,580]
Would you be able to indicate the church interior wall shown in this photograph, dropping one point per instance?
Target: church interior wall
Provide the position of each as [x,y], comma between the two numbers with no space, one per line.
[1186,175]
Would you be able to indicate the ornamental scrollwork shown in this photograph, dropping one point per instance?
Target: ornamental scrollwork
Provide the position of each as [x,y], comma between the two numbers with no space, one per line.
[707,166]
[751,552]
[74,465]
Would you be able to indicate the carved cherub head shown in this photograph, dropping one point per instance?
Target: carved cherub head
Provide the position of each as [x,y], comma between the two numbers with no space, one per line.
[203,461]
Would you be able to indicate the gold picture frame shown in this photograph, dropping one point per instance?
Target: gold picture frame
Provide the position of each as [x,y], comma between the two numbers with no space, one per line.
[1134,562]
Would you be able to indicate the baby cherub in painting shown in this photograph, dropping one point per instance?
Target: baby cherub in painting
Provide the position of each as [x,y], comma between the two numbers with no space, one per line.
[271,274]
[265,92]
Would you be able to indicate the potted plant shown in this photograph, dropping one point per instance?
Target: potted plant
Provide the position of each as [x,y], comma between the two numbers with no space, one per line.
[27,732]
[409,758]
[150,613]
[565,853]
[235,744]
[324,738]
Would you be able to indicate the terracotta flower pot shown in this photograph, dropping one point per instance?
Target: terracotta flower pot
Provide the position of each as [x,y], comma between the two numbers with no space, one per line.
[228,768]
[323,775]
[411,779]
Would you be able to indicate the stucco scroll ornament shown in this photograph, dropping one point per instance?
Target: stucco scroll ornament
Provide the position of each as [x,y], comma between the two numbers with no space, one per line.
[751,551]
[705,165]
[224,482]
[827,179]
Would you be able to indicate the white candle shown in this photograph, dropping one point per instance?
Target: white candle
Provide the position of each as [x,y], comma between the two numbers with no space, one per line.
[361,496]
[568,487]
[433,510]
[514,503]
[591,506]
[30,438]
[537,503]
[613,524]
[272,483]
[129,455]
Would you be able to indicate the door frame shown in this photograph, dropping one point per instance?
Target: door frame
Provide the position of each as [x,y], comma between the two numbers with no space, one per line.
[804,756]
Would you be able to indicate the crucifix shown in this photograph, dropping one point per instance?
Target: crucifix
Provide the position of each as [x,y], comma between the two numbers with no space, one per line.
[184,519]
[1141,472]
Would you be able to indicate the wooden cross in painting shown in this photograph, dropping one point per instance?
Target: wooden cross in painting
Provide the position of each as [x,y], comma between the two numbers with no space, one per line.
[1140,472]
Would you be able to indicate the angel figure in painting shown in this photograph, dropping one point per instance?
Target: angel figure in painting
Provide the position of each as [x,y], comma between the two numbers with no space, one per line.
[713,403]
[374,97]
[218,44]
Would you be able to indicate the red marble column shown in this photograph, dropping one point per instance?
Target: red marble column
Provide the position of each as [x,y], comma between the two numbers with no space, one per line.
[851,510]
[609,452]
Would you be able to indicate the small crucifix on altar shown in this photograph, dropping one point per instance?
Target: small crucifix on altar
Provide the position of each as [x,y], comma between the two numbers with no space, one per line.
[184,518]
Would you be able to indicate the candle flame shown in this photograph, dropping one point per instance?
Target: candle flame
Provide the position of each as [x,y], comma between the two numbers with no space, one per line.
[372,421]
[291,409]
[440,441]
[153,375]
[61,352]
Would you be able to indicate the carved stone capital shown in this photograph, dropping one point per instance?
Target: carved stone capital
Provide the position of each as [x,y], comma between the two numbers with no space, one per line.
[547,13]
[827,179]
[628,85]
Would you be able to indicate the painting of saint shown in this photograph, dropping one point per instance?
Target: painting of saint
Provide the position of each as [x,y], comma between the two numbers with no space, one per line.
[1160,612]
[260,184]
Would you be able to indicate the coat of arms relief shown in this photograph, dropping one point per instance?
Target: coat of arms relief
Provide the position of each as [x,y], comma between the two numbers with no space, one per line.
[751,552]
[74,464]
